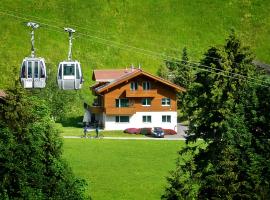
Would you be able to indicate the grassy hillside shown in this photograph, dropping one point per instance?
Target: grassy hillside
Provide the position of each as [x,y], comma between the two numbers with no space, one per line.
[115,34]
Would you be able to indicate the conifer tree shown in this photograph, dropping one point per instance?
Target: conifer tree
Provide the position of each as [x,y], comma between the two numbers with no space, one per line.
[225,109]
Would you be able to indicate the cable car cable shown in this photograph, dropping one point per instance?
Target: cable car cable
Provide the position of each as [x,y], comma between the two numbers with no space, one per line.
[149,51]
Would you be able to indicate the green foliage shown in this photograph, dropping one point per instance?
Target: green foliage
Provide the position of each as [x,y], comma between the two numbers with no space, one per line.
[59,101]
[226,111]
[30,152]
[180,72]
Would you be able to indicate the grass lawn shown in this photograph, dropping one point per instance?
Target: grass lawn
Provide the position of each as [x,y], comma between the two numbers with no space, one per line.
[122,169]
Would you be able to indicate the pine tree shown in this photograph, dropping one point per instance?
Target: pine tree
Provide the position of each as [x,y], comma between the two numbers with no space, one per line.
[225,110]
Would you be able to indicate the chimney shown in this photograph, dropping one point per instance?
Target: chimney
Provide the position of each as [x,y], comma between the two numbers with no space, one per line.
[132,67]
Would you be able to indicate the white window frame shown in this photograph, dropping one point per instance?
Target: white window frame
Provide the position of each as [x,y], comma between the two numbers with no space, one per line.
[148,119]
[148,102]
[167,102]
[168,119]
[119,118]
[146,85]
[133,86]
[119,103]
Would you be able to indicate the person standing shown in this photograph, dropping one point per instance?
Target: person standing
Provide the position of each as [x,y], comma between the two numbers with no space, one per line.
[97,128]
[85,130]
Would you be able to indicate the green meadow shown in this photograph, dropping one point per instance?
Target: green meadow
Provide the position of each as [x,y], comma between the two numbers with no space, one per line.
[122,169]
[116,34]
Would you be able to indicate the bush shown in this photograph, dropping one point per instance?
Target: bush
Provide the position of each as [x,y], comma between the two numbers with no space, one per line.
[132,130]
[169,132]
[146,131]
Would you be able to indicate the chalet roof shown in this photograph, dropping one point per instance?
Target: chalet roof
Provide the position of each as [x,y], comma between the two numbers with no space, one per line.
[131,74]
[111,74]
[2,94]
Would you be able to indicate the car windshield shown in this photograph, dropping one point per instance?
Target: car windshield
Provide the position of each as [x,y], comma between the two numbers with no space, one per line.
[158,129]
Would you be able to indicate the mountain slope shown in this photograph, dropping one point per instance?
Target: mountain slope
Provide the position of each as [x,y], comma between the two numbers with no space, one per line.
[116,34]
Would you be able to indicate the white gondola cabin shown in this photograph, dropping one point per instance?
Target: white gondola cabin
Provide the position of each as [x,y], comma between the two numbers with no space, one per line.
[33,73]
[69,75]
[33,70]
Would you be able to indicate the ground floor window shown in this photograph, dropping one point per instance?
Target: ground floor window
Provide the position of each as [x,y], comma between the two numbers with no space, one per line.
[121,119]
[166,118]
[146,118]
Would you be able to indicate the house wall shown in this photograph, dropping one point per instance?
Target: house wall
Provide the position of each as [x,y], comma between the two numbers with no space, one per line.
[135,121]
[163,91]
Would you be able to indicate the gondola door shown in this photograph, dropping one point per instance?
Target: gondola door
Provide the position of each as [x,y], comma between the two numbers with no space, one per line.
[39,74]
[36,74]
[28,81]
[78,78]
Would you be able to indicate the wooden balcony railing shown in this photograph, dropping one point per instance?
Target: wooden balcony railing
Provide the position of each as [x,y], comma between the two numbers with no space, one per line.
[141,93]
[96,109]
[120,110]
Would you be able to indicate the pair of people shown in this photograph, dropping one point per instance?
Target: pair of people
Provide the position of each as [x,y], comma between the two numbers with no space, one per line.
[96,128]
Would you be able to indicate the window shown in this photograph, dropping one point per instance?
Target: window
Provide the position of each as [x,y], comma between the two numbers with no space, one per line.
[42,70]
[121,102]
[166,102]
[29,69]
[133,86]
[23,73]
[146,85]
[69,69]
[77,72]
[146,119]
[166,118]
[36,70]
[121,119]
[60,72]
[146,102]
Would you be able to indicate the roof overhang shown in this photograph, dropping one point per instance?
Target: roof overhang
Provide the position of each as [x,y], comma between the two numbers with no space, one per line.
[135,74]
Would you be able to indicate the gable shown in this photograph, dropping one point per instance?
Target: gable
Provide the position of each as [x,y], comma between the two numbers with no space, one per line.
[136,74]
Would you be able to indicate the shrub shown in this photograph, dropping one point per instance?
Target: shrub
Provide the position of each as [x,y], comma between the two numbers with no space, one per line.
[169,132]
[132,130]
[146,131]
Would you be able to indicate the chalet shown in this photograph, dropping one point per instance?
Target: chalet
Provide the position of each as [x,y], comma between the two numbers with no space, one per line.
[133,98]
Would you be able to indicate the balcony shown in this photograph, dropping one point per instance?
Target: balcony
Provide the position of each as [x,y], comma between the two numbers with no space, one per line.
[141,93]
[120,110]
[96,109]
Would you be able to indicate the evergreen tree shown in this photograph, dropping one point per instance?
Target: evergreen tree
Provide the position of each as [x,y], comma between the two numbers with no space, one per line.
[31,166]
[180,72]
[225,110]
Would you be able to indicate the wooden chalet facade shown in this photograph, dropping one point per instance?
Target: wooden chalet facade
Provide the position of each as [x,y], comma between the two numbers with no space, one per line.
[133,98]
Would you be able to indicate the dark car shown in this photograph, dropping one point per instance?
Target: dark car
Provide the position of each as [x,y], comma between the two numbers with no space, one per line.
[158,132]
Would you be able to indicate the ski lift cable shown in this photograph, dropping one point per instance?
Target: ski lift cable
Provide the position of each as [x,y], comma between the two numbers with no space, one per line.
[125,45]
[136,49]
[92,30]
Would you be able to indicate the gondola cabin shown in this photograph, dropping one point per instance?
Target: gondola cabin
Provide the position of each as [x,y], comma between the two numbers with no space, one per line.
[33,73]
[69,75]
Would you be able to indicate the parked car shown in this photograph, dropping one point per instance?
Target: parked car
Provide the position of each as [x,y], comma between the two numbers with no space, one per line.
[158,132]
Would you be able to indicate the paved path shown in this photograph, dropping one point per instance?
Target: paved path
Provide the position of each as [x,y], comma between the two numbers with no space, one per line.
[125,138]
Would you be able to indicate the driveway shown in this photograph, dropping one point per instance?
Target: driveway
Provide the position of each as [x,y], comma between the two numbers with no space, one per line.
[180,132]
